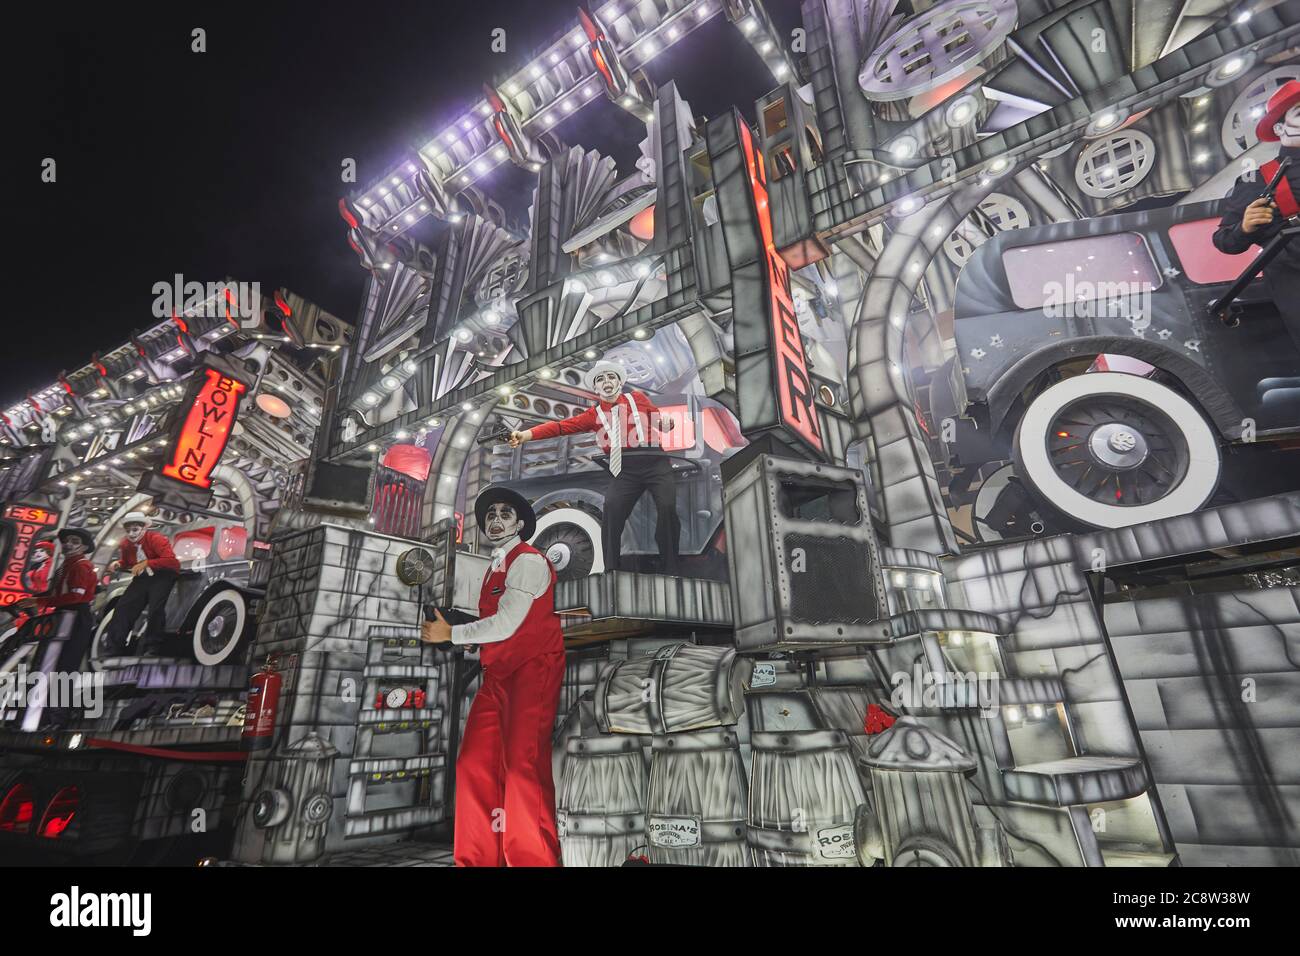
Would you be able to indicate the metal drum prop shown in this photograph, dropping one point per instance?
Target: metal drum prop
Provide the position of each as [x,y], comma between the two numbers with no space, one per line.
[601,807]
[695,815]
[804,792]
[682,687]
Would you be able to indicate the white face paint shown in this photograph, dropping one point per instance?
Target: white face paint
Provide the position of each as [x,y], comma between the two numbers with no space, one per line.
[501,522]
[72,547]
[608,385]
[1288,131]
[134,532]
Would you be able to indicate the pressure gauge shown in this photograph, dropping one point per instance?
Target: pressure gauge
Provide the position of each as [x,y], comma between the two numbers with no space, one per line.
[396,697]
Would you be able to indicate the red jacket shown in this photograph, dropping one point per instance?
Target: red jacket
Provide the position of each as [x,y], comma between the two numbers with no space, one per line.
[157,550]
[589,421]
[74,583]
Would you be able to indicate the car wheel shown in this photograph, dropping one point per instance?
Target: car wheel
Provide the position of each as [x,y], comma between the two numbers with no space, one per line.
[571,541]
[1108,450]
[220,626]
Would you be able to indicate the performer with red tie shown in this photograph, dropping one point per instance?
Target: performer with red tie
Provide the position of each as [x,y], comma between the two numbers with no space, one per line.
[627,426]
[505,794]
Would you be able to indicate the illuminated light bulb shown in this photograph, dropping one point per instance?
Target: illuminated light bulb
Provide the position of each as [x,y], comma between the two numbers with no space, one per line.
[410,218]
[464,335]
[606,278]
[370,398]
[395,181]
[1233,66]
[1036,711]
[703,12]
[748,25]
[639,334]
[904,148]
[403,435]
[999,164]
[466,407]
[589,354]
[549,119]
[650,49]
[372,447]
[627,101]
[365,202]
[504,390]
[1013,713]
[383,190]
[765,47]
[546,373]
[781,70]
[567,106]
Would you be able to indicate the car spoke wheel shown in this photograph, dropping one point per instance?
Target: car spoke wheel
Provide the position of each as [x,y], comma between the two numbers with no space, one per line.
[1108,450]
[220,627]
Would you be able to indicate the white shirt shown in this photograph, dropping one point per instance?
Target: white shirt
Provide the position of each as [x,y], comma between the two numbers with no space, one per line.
[526,581]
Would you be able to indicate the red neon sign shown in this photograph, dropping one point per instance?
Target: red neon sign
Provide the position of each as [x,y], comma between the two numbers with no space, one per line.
[203,437]
[28,522]
[793,386]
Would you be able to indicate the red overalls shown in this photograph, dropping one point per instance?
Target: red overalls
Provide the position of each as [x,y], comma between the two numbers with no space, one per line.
[505,797]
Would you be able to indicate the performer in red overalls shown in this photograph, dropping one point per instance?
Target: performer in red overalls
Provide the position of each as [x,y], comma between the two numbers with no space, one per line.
[505,796]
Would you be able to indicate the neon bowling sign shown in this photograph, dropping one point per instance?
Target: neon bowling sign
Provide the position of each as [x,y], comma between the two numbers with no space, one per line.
[206,430]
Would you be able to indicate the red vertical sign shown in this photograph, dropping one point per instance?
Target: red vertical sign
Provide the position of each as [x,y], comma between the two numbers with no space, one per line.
[27,523]
[793,385]
[206,430]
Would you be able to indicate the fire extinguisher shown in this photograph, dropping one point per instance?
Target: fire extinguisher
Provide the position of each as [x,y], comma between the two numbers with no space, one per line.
[259,712]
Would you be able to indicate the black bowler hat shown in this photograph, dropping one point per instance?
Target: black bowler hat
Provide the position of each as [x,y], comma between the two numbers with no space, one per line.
[500,495]
[85,536]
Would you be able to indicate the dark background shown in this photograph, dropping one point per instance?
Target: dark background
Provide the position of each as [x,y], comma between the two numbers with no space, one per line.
[227,163]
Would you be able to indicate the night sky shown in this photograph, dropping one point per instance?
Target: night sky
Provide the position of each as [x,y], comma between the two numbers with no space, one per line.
[227,163]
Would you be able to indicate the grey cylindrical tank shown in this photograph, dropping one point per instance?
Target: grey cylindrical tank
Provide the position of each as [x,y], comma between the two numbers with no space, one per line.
[923,812]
